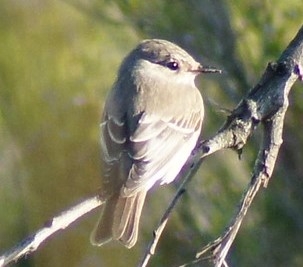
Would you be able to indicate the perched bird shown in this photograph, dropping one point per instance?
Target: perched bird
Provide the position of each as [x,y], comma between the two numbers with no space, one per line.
[152,120]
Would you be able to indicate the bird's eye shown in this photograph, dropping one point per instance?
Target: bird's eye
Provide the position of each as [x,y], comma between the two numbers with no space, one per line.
[173,65]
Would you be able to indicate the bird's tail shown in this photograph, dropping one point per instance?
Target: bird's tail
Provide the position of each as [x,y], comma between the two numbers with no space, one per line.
[119,220]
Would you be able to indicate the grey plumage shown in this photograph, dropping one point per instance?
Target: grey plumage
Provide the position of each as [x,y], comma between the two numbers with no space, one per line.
[152,120]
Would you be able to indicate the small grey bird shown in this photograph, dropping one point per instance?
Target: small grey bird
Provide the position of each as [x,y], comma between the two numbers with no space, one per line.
[152,120]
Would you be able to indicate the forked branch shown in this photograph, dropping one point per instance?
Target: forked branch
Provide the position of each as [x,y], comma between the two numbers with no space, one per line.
[265,104]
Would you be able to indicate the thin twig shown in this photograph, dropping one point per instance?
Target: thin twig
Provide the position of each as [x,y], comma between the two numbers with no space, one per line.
[158,232]
[188,171]
[63,220]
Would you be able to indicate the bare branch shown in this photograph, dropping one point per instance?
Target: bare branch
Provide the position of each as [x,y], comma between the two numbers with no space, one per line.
[157,233]
[187,172]
[63,220]
[266,103]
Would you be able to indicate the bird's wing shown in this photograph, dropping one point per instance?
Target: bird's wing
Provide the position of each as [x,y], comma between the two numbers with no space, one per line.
[115,160]
[160,147]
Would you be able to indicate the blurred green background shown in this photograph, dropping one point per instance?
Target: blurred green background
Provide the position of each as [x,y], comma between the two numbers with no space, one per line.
[57,61]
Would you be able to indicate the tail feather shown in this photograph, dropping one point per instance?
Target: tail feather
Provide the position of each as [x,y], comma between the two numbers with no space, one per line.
[119,220]
[102,232]
[129,235]
[122,216]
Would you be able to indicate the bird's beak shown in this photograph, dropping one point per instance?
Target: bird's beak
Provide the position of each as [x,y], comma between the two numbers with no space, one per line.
[205,69]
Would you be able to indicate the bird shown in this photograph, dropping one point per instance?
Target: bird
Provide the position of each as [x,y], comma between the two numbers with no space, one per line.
[151,122]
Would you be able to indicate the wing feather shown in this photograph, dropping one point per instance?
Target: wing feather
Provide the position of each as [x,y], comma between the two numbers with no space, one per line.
[153,149]
[159,158]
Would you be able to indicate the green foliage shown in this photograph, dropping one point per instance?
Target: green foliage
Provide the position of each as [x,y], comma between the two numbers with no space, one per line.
[57,61]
